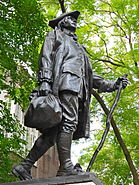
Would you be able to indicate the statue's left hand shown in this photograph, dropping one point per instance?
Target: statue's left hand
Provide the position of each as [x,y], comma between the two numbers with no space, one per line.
[124,81]
[44,89]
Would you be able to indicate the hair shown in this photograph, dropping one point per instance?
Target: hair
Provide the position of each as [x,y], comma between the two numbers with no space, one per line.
[61,23]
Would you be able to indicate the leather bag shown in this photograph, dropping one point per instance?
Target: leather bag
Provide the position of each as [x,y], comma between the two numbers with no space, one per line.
[43,112]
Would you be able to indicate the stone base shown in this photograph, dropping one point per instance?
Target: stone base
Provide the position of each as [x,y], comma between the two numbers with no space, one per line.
[89,179]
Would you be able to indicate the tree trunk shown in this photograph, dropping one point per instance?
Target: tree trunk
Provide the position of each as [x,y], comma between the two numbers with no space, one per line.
[61,2]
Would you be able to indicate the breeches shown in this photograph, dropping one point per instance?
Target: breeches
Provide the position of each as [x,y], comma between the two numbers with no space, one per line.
[69,104]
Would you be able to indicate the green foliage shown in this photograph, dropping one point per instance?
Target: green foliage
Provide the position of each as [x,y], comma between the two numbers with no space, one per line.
[22,31]
[22,28]
[11,144]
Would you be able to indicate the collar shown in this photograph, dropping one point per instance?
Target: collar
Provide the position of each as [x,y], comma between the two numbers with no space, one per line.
[71,34]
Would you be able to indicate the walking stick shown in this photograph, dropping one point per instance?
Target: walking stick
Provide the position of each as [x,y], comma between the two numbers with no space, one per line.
[108,121]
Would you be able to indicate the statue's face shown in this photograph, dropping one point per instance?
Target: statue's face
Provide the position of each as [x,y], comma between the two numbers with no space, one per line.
[70,23]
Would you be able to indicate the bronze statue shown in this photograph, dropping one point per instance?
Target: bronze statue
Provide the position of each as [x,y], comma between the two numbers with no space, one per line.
[65,71]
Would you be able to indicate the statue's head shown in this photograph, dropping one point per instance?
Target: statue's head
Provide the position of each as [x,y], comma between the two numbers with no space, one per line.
[66,20]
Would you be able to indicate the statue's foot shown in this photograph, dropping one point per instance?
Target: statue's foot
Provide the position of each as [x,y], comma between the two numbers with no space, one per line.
[20,172]
[73,170]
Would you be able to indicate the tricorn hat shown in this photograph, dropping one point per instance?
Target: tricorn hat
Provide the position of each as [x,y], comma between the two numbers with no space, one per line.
[53,23]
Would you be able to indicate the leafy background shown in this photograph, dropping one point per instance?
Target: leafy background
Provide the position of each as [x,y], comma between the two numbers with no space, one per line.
[109,29]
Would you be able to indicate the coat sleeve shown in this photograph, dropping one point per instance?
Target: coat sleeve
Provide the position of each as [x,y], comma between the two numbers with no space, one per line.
[102,84]
[45,60]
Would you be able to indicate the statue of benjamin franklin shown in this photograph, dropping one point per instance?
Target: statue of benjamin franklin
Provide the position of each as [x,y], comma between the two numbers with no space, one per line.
[64,70]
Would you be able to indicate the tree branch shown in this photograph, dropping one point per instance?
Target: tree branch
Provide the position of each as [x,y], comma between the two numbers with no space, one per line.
[120,140]
[61,2]
[116,13]
[105,60]
[108,61]
[131,47]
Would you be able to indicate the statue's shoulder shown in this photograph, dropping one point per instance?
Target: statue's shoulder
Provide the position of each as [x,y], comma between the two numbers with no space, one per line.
[57,34]
[51,34]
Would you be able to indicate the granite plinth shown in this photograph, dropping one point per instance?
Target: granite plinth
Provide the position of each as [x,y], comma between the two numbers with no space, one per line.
[89,179]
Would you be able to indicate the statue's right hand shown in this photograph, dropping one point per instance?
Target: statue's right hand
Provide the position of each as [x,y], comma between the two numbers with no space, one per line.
[44,89]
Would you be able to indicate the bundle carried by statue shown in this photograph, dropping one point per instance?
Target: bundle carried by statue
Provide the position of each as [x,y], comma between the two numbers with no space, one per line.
[43,112]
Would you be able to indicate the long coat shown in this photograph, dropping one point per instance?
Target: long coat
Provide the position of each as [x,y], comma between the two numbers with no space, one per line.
[65,65]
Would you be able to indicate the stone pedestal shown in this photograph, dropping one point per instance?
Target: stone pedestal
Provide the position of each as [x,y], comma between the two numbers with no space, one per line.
[89,179]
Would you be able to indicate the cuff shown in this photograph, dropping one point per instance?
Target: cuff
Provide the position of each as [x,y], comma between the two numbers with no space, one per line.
[107,86]
[45,75]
